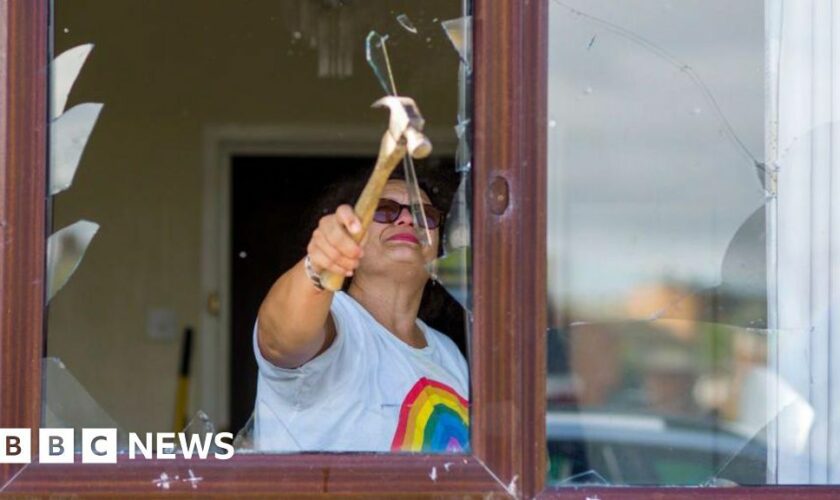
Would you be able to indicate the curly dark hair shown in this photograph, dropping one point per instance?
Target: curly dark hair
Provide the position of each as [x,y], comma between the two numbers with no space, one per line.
[438,179]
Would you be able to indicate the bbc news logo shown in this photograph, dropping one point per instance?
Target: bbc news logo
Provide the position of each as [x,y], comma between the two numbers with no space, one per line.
[99,446]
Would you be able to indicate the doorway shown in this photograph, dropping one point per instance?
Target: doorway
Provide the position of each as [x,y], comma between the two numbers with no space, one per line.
[273,210]
[272,217]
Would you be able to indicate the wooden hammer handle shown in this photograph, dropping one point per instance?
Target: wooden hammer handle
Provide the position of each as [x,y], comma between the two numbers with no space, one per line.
[390,154]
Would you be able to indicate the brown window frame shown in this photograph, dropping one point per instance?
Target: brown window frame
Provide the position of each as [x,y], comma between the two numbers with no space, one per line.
[509,277]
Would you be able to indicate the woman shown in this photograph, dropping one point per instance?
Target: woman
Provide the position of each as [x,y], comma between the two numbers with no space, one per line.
[357,370]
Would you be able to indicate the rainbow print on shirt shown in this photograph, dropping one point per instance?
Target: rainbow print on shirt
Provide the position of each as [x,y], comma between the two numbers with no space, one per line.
[433,418]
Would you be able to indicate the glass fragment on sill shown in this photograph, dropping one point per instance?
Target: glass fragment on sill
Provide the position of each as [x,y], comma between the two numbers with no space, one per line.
[200,429]
[587,478]
[67,404]
[69,136]
[200,424]
[406,23]
[65,250]
[64,70]
[719,482]
[244,439]
[459,32]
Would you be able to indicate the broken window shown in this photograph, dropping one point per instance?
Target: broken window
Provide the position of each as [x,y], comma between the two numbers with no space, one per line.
[692,253]
[190,145]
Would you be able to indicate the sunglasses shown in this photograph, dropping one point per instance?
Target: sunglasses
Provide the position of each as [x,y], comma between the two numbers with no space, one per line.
[389,210]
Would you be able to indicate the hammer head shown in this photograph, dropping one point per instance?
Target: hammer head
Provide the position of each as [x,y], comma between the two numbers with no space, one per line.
[406,124]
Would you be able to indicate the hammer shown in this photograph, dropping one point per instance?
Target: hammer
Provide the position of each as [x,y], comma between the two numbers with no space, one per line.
[404,134]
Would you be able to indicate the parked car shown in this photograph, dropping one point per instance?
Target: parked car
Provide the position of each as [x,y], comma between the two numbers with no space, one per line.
[623,449]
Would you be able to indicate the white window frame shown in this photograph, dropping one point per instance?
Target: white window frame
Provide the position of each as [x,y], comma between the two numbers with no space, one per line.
[803,224]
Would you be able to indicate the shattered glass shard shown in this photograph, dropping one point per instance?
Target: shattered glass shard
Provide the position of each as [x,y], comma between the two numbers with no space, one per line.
[459,32]
[65,250]
[200,424]
[200,429]
[406,23]
[64,70]
[376,53]
[69,135]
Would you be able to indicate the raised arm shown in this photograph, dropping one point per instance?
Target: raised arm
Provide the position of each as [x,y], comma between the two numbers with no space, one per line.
[294,320]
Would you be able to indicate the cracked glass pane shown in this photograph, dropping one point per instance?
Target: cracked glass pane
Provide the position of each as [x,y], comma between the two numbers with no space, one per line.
[669,402]
[202,161]
[454,267]
[70,406]
[689,243]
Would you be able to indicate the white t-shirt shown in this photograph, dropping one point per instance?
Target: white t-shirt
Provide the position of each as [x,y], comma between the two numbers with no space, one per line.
[369,391]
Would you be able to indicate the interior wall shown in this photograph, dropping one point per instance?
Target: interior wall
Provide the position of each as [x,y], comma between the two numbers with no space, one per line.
[166,71]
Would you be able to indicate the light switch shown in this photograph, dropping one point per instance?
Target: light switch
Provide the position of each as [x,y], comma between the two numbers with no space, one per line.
[162,324]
